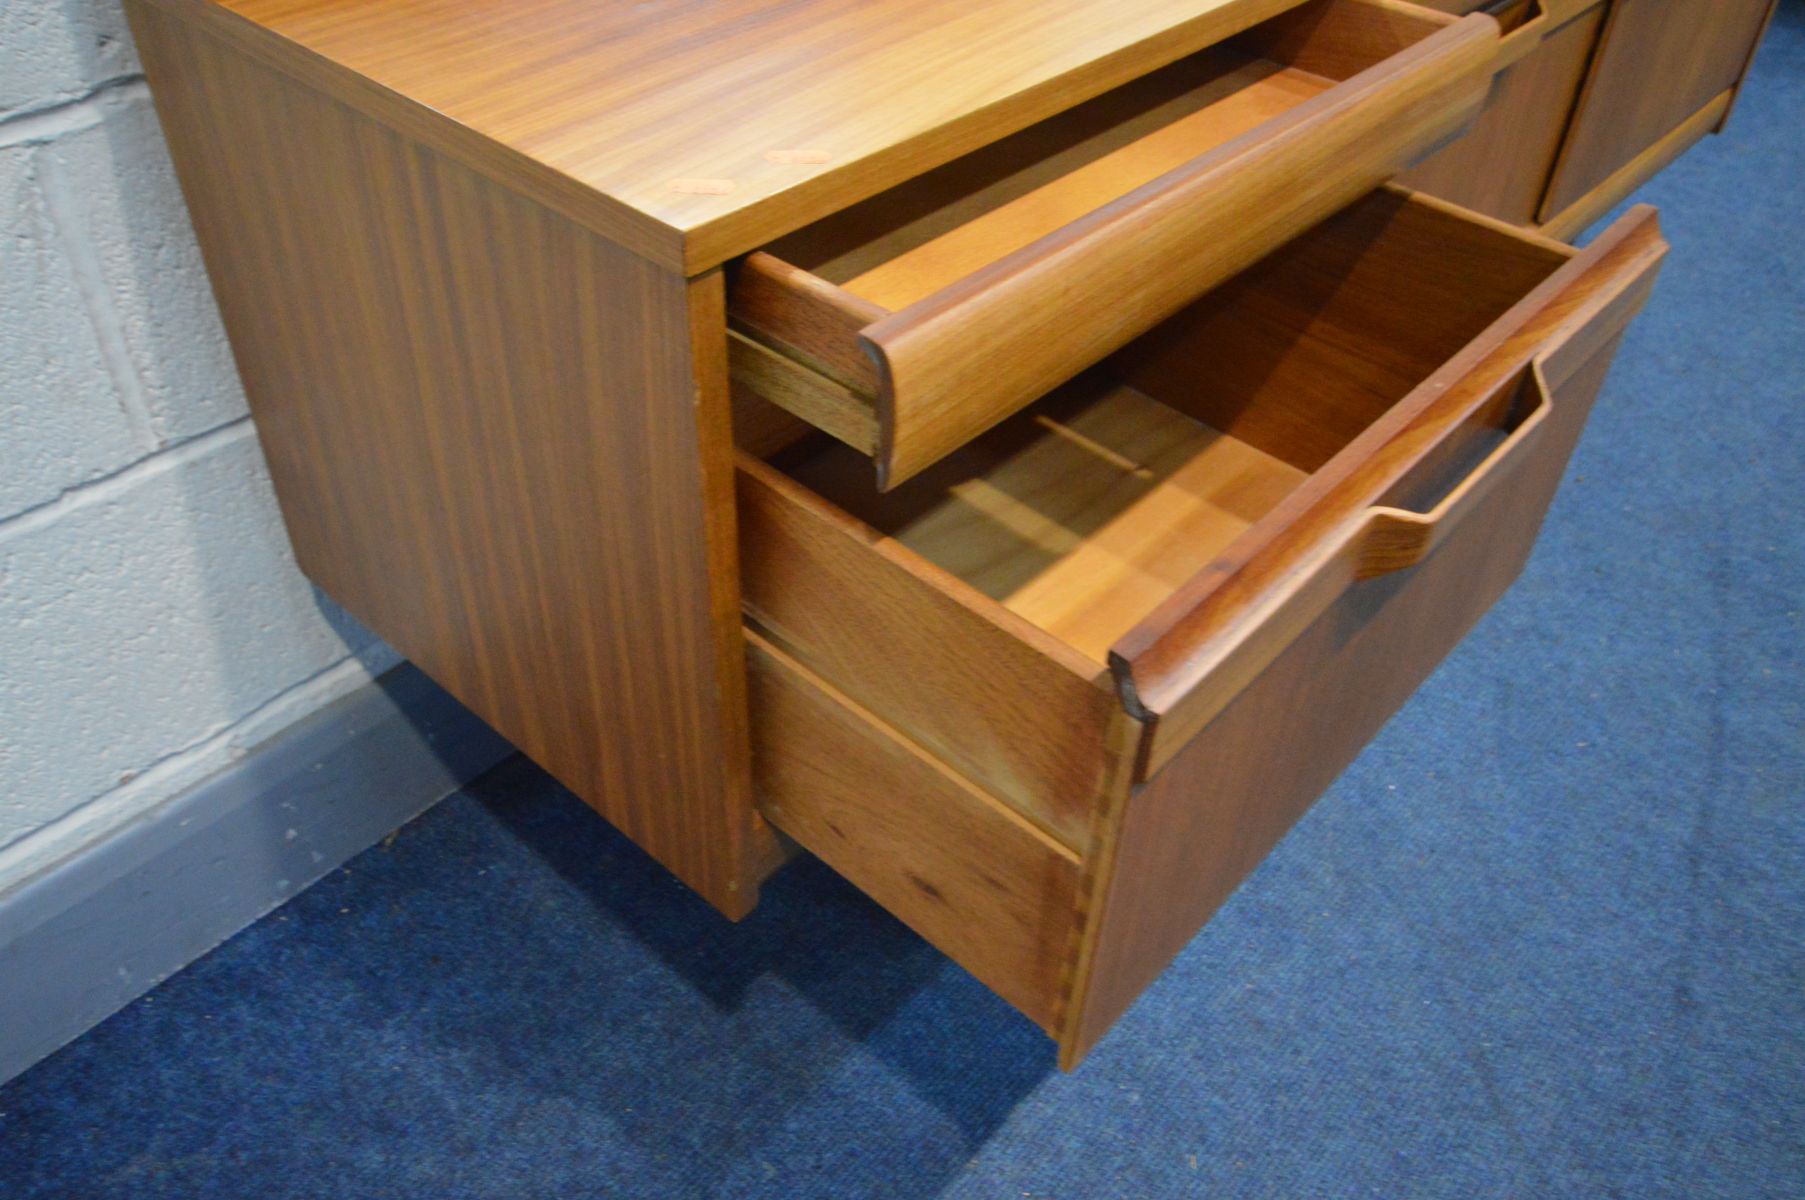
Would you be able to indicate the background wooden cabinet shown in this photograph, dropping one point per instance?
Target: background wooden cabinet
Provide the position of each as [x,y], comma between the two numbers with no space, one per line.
[1598,96]
[1660,65]
[1502,166]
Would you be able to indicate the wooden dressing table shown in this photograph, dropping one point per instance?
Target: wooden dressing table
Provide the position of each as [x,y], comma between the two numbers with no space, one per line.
[1020,451]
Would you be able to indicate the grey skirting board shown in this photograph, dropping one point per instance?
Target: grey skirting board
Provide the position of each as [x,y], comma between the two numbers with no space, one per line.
[84,937]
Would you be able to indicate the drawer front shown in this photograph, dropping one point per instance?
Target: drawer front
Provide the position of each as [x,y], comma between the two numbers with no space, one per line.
[1206,819]
[1214,635]
[1340,622]
[916,354]
[1659,62]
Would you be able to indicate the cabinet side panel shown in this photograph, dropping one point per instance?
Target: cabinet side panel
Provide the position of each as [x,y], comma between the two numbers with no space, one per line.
[1190,835]
[497,438]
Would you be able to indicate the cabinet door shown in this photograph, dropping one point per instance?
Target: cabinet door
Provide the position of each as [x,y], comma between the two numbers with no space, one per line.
[1660,62]
[1501,166]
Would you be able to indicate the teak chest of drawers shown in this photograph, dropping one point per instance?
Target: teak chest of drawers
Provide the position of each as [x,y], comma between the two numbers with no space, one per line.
[1019,452]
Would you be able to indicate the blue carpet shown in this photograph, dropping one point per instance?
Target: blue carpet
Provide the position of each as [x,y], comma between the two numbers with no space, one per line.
[1544,939]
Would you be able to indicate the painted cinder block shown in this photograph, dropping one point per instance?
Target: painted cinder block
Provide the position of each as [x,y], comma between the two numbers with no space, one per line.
[61,420]
[153,613]
[153,625]
[56,50]
[123,199]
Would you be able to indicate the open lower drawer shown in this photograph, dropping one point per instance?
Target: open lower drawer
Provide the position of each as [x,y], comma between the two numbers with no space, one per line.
[1051,700]
[910,323]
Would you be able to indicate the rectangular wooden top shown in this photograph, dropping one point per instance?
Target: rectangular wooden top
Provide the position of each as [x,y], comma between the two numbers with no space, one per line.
[695,130]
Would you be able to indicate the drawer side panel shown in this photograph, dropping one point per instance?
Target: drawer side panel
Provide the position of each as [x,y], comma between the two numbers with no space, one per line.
[1001,702]
[955,865]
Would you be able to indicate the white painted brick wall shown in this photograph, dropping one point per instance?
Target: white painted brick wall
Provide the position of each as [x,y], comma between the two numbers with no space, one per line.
[152,622]
[58,50]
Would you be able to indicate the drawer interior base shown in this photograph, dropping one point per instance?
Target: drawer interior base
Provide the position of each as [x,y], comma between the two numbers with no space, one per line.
[1081,518]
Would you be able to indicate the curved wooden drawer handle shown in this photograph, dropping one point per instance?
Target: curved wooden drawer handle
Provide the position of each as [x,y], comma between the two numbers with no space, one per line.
[1397,538]
[1548,16]
[1189,659]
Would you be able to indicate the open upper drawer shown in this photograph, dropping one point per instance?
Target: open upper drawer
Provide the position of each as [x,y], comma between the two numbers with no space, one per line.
[908,324]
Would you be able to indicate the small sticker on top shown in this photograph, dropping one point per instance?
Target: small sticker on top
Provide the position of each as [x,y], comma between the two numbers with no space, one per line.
[798,156]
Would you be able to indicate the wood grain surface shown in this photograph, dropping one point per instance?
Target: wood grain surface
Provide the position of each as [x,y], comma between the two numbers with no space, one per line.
[1658,63]
[952,365]
[1427,340]
[808,318]
[985,264]
[809,296]
[693,133]
[911,241]
[1002,702]
[959,867]
[823,403]
[1194,832]
[1577,217]
[1082,514]
[1503,164]
[1304,352]
[498,439]
[1221,630]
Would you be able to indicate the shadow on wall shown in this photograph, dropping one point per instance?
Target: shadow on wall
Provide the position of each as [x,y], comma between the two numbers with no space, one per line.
[211,623]
[167,626]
